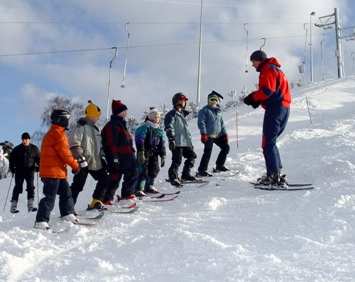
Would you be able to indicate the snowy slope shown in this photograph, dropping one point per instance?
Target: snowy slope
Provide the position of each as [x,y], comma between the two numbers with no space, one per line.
[225,231]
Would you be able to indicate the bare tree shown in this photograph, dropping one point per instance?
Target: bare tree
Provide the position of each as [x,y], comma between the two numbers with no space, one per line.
[76,110]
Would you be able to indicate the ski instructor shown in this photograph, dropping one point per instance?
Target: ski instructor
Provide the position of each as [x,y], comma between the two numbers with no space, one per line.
[274,96]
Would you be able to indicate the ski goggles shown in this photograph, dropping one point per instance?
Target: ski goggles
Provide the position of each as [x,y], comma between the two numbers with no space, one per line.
[213,99]
[183,98]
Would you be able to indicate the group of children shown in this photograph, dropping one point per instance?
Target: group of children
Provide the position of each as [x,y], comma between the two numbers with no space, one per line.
[110,155]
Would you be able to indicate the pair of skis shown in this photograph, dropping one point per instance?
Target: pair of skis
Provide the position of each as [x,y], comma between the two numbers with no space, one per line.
[285,187]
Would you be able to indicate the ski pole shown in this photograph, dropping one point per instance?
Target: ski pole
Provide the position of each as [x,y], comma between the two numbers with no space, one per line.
[8,192]
[37,190]
[237,123]
[309,112]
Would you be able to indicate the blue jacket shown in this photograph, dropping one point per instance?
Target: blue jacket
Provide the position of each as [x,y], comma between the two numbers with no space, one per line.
[210,122]
[150,139]
[176,128]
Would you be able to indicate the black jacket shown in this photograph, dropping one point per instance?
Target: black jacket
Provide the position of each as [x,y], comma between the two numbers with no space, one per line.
[24,158]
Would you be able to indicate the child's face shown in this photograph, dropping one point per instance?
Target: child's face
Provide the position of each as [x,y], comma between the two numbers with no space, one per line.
[123,114]
[156,119]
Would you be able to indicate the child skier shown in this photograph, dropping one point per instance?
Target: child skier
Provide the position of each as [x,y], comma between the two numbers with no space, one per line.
[55,156]
[24,161]
[85,144]
[120,154]
[150,146]
[180,143]
[212,129]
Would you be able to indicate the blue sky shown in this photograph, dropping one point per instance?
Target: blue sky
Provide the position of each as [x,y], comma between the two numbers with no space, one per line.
[156,72]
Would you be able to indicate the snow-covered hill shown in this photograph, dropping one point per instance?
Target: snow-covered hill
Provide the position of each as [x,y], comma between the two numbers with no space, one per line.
[225,231]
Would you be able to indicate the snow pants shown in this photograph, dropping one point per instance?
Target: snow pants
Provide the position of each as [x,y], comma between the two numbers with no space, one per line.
[222,143]
[20,177]
[51,188]
[179,152]
[127,170]
[102,178]
[148,172]
[275,121]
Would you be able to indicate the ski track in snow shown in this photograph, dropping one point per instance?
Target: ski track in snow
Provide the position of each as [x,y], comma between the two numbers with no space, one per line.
[223,231]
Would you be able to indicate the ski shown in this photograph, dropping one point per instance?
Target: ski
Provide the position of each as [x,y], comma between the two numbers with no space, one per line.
[289,184]
[123,210]
[91,215]
[175,185]
[299,184]
[162,195]
[200,182]
[162,199]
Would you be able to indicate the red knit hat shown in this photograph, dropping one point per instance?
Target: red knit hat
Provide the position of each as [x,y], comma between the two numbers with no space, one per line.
[118,107]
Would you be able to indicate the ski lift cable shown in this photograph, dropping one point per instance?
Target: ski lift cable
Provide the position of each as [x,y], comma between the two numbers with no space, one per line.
[164,44]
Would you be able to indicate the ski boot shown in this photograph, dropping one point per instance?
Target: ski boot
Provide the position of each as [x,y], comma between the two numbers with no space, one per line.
[140,194]
[42,225]
[175,182]
[220,169]
[188,177]
[30,206]
[96,204]
[71,218]
[272,180]
[151,190]
[13,207]
[200,174]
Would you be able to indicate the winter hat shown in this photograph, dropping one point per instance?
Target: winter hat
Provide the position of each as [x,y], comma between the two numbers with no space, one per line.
[214,95]
[25,135]
[153,112]
[118,107]
[178,97]
[92,111]
[258,55]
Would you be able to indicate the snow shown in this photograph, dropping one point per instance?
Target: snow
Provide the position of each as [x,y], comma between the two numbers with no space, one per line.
[223,231]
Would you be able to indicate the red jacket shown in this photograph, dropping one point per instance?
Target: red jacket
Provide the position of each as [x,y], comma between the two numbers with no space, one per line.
[273,85]
[55,154]
[116,139]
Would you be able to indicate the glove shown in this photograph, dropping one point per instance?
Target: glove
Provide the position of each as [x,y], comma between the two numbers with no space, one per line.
[115,163]
[104,162]
[82,162]
[204,138]
[162,161]
[225,138]
[141,157]
[76,171]
[248,100]
[172,145]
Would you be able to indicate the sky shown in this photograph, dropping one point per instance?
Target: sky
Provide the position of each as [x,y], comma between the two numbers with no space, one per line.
[163,54]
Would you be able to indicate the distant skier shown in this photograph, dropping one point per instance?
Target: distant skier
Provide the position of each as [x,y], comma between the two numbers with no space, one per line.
[24,161]
[212,129]
[180,143]
[55,156]
[275,96]
[4,164]
[86,145]
[150,146]
[120,154]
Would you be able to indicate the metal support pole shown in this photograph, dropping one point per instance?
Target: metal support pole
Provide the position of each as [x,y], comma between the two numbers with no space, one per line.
[198,96]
